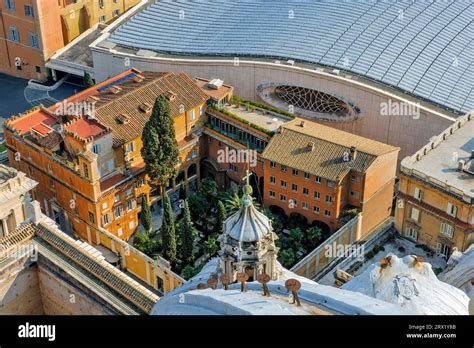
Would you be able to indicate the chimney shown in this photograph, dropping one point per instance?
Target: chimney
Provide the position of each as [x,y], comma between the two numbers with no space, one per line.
[353,153]
[302,124]
[461,165]
[170,95]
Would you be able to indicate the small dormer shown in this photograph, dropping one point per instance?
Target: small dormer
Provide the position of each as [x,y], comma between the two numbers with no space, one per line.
[123,119]
[170,95]
[145,108]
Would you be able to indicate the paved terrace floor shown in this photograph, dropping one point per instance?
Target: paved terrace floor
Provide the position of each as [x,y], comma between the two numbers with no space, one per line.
[269,121]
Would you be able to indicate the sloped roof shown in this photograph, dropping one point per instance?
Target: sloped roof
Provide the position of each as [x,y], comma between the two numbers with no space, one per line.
[132,94]
[329,158]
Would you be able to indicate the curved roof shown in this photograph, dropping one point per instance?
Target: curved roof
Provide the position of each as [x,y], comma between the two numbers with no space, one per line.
[248,224]
[424,48]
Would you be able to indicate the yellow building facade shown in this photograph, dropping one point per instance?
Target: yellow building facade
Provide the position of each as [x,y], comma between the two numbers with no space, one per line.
[79,15]
[435,205]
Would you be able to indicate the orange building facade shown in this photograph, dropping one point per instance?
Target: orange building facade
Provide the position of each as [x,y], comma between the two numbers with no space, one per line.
[32,30]
[89,169]
[327,176]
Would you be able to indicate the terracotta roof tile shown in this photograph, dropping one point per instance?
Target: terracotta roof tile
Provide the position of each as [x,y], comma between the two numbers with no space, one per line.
[133,94]
[329,157]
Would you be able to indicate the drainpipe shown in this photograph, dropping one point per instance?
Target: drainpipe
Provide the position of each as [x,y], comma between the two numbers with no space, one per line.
[6,42]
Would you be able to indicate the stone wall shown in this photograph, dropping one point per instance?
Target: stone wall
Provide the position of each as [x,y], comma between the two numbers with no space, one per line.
[19,289]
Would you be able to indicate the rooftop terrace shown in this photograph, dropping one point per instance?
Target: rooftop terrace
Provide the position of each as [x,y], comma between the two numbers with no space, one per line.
[438,161]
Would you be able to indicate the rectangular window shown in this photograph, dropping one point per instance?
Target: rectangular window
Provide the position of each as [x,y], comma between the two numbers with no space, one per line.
[305,191]
[116,13]
[306,175]
[10,5]
[272,194]
[327,213]
[201,110]
[304,205]
[443,249]
[14,34]
[120,232]
[191,115]
[272,164]
[415,214]
[50,169]
[330,183]
[117,198]
[194,153]
[233,168]
[29,11]
[452,209]
[211,140]
[102,19]
[354,178]
[130,147]
[105,219]
[118,211]
[282,198]
[417,194]
[283,168]
[317,195]
[91,217]
[101,3]
[294,172]
[294,187]
[447,230]
[315,209]
[328,199]
[318,179]
[130,204]
[272,180]
[283,184]
[96,148]
[131,225]
[412,233]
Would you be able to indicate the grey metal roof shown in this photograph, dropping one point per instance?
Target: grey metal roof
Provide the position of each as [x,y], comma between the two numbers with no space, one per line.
[424,47]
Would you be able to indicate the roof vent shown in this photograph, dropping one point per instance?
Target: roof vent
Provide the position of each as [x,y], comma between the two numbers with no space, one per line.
[115,89]
[170,95]
[311,146]
[461,164]
[215,83]
[123,119]
[302,124]
[145,107]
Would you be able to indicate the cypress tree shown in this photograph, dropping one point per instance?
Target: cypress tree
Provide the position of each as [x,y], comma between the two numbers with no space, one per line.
[168,232]
[187,235]
[221,216]
[145,215]
[160,148]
